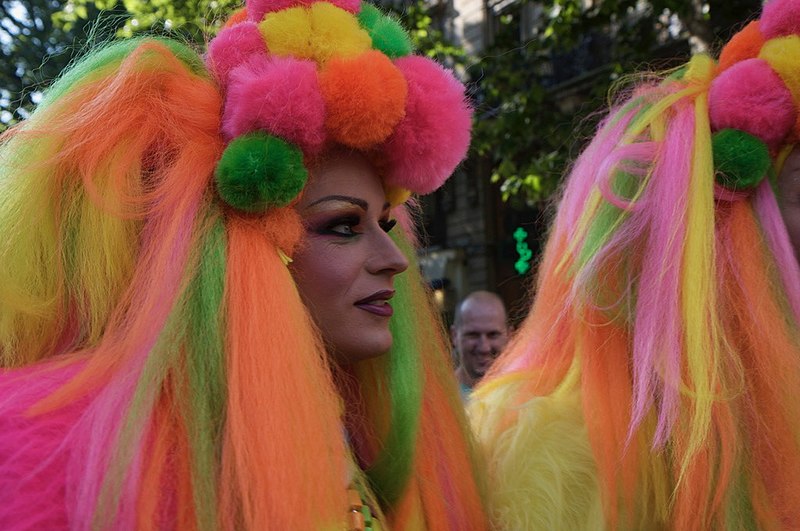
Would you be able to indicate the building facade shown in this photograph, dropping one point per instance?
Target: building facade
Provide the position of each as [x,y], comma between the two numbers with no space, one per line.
[474,239]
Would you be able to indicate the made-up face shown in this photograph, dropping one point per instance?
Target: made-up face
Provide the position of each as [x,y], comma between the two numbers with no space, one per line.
[345,268]
[789,197]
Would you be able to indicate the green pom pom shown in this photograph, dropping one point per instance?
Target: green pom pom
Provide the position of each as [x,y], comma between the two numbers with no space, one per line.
[740,159]
[369,15]
[387,34]
[258,171]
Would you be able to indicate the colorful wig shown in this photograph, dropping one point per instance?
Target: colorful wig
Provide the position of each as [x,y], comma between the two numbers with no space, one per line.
[159,367]
[653,384]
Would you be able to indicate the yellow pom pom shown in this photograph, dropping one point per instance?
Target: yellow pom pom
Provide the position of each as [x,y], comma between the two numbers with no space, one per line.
[783,55]
[289,32]
[318,33]
[396,195]
[337,33]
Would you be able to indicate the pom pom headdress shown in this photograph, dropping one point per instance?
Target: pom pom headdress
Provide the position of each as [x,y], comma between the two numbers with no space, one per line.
[754,97]
[307,75]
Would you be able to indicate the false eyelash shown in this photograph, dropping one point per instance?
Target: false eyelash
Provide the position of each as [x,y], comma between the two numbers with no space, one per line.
[326,228]
[387,225]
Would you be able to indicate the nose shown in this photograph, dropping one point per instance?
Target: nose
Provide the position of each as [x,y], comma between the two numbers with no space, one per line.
[484,345]
[387,257]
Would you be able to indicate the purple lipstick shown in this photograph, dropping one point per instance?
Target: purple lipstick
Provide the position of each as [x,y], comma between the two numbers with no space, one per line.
[377,303]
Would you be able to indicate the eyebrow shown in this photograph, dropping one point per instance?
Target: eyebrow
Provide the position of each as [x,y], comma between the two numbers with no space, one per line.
[347,199]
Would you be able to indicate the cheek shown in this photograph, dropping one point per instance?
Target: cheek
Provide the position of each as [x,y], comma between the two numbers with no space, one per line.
[792,219]
[317,271]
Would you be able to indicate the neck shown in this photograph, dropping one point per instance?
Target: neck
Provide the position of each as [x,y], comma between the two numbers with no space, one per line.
[464,378]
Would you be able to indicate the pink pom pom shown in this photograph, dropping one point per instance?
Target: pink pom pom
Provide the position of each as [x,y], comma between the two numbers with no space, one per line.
[256,9]
[280,96]
[750,96]
[434,136]
[232,47]
[780,18]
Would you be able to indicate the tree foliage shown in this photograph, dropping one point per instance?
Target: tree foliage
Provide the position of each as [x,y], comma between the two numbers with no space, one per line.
[32,51]
[544,74]
[415,16]
[39,38]
[190,20]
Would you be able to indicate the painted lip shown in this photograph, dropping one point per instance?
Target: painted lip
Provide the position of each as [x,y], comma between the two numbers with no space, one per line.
[377,303]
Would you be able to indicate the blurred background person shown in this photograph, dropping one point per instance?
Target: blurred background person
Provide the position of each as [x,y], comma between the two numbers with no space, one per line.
[479,333]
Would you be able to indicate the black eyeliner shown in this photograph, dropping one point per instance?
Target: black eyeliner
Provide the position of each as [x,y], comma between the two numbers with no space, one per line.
[388,225]
[326,228]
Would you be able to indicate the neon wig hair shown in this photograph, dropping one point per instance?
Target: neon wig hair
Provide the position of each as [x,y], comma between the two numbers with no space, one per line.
[654,383]
[159,367]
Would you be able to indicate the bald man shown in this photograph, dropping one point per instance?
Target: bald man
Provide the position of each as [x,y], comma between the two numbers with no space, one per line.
[479,333]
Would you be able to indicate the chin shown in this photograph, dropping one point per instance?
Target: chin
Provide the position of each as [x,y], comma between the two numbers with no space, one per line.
[477,375]
[360,349]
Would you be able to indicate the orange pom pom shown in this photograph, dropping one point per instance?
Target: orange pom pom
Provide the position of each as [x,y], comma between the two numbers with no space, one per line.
[240,15]
[744,45]
[365,98]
